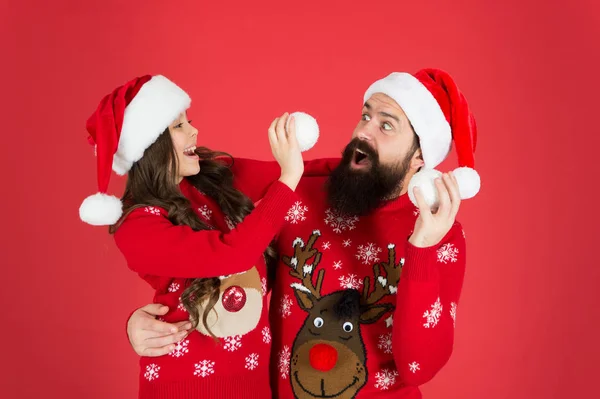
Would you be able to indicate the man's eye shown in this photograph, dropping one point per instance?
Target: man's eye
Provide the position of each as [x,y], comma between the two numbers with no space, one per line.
[387,126]
[366,117]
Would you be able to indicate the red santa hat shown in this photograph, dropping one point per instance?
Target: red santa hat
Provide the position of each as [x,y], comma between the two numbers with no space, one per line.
[439,114]
[126,123]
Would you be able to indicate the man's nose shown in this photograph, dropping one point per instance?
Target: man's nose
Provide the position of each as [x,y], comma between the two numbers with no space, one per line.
[367,132]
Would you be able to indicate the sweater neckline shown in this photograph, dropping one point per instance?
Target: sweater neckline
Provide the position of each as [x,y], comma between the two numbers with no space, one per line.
[401,202]
[186,188]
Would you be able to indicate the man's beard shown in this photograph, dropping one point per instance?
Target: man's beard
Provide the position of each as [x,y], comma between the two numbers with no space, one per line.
[360,191]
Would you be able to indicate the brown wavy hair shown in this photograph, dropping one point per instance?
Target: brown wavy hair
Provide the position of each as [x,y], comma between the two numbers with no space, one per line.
[151,181]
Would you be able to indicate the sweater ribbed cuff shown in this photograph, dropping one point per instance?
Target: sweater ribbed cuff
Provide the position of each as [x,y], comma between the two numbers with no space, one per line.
[127,323]
[420,264]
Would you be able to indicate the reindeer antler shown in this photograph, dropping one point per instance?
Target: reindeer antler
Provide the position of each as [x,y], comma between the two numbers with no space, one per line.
[303,271]
[383,285]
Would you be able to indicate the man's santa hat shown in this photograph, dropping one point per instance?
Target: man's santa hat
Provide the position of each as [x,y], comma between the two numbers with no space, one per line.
[439,114]
[126,123]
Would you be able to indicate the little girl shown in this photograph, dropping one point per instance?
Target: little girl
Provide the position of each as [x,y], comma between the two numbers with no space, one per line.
[198,241]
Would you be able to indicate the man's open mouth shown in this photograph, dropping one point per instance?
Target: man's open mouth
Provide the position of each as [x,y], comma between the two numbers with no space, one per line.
[361,158]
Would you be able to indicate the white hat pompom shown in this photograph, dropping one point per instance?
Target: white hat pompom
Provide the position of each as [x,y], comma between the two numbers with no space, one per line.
[468,180]
[307,130]
[101,209]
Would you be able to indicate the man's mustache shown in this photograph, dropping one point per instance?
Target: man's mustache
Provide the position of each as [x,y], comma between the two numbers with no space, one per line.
[358,144]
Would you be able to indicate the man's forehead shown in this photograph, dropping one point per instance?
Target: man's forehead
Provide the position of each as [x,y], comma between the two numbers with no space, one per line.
[380,102]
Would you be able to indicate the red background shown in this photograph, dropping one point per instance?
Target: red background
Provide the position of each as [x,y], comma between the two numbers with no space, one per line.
[528,320]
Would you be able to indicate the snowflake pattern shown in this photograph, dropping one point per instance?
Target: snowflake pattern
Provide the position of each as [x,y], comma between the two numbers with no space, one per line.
[340,222]
[152,372]
[205,212]
[252,361]
[204,368]
[433,315]
[181,348]
[464,234]
[453,307]
[347,243]
[284,362]
[266,333]
[447,253]
[385,343]
[326,245]
[368,253]
[414,366]
[229,223]
[350,282]
[180,306]
[263,284]
[233,343]
[285,307]
[337,265]
[174,287]
[152,210]
[385,379]
[417,212]
[296,213]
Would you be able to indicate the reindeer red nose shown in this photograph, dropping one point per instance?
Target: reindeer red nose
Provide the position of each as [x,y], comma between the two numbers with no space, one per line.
[234,298]
[323,357]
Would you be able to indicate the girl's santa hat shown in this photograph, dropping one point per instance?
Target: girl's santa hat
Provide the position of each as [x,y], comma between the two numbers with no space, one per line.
[439,114]
[126,123]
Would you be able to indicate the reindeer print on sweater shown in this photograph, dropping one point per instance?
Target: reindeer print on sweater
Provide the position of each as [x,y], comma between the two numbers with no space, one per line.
[238,308]
[328,356]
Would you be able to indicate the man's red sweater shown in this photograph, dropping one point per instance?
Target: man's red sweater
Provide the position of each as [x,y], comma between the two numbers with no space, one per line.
[167,256]
[356,310]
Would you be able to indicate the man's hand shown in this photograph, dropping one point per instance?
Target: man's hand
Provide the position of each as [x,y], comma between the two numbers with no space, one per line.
[431,227]
[151,337]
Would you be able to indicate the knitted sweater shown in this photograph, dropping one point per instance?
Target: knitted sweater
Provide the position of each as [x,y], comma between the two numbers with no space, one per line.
[167,256]
[356,310]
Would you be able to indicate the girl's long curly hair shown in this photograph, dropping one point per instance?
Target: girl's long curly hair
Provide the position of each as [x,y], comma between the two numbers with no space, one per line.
[151,181]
